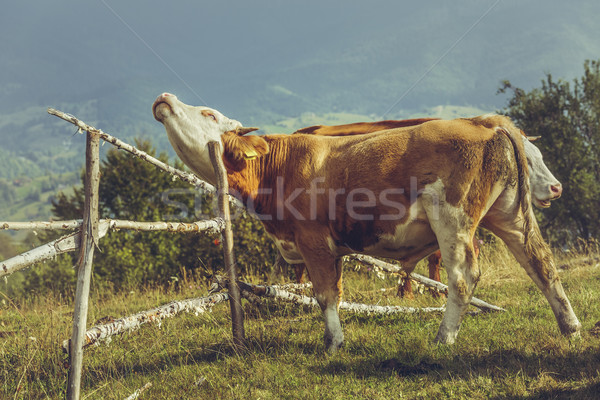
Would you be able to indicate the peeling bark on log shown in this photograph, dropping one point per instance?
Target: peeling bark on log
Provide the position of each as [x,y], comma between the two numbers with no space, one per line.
[278,292]
[210,226]
[373,309]
[42,225]
[45,252]
[382,265]
[71,242]
[135,395]
[295,286]
[184,176]
[222,283]
[421,279]
[126,324]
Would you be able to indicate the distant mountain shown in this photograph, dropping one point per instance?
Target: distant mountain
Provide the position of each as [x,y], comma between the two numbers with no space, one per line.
[277,59]
[266,63]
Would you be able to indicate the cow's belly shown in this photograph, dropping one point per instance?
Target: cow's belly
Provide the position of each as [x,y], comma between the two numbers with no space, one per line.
[409,243]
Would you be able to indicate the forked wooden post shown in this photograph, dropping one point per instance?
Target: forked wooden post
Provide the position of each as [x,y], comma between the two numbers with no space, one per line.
[235,300]
[89,239]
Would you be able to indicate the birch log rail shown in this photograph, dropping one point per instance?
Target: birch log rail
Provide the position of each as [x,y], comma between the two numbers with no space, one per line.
[278,292]
[482,305]
[212,226]
[184,176]
[103,332]
[45,252]
[71,242]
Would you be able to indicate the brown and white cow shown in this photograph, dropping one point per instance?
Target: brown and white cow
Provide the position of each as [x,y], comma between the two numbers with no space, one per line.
[402,194]
[360,128]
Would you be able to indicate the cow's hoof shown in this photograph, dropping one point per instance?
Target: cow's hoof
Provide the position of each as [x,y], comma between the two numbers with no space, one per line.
[571,330]
[333,344]
[445,338]
[573,335]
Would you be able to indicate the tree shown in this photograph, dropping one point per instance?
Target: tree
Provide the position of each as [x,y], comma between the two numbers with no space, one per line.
[567,117]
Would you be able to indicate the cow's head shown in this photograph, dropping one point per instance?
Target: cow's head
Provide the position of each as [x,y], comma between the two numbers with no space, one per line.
[544,186]
[190,129]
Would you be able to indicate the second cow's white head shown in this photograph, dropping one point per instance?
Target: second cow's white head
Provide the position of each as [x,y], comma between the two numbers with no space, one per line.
[544,186]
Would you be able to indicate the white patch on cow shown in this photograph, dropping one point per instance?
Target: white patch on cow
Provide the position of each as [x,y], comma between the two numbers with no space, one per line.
[452,229]
[412,233]
[332,246]
[288,250]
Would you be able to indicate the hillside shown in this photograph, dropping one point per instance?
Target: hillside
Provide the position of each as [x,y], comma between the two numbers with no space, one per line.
[279,67]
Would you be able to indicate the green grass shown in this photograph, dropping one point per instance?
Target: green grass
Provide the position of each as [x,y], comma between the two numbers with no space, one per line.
[516,354]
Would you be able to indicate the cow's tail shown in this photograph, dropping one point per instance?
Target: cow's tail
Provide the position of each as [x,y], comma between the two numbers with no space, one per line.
[535,246]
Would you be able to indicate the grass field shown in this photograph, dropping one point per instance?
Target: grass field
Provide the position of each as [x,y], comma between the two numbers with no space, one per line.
[516,354]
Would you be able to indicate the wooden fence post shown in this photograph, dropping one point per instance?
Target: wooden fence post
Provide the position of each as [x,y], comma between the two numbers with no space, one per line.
[235,302]
[89,239]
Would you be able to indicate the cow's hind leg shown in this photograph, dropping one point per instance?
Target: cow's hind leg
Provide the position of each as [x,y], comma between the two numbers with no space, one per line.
[463,274]
[454,231]
[434,262]
[282,267]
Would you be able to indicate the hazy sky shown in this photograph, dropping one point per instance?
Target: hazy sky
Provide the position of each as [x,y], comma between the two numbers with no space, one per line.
[212,52]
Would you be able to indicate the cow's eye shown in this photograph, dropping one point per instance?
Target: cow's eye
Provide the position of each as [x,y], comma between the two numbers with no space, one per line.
[209,115]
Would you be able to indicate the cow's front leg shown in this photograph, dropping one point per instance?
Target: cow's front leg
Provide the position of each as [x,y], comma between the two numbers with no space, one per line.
[334,336]
[328,292]
[538,262]
[325,272]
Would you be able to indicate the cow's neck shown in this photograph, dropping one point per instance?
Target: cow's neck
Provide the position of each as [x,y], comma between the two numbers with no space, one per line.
[260,182]
[252,184]
[194,154]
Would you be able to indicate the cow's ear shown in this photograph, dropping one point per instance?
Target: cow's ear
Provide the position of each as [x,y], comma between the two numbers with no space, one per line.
[532,138]
[238,149]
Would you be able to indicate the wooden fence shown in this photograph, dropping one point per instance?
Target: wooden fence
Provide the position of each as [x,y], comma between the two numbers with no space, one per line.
[90,229]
